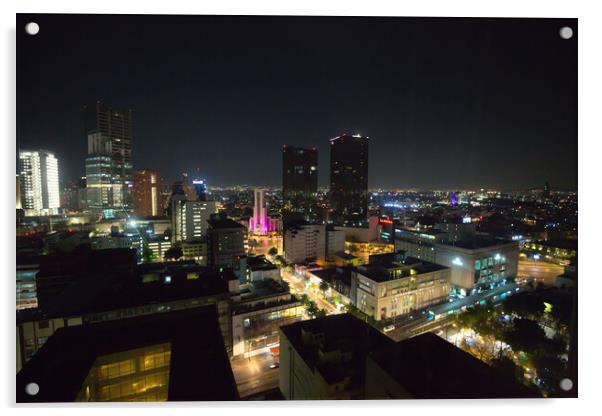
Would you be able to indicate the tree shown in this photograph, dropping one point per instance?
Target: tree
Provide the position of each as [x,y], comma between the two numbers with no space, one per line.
[526,335]
[507,366]
[174,253]
[304,299]
[273,251]
[324,286]
[147,254]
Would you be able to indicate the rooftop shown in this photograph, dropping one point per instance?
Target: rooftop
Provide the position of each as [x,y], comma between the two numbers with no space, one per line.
[429,367]
[409,266]
[199,368]
[223,223]
[329,275]
[477,242]
[340,332]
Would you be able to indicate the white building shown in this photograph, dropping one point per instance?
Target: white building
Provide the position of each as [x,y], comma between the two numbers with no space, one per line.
[190,219]
[39,177]
[305,242]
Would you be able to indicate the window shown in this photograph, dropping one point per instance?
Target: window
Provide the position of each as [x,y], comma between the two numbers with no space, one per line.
[477,265]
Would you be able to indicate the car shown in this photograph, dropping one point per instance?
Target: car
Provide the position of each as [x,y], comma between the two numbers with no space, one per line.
[388,328]
[274,365]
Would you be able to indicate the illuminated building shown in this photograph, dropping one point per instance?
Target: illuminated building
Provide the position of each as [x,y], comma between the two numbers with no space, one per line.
[39,179]
[265,305]
[392,285]
[260,223]
[477,262]
[18,189]
[335,241]
[305,242]
[114,126]
[148,197]
[103,189]
[299,185]
[27,269]
[174,356]
[349,181]
[189,218]
[201,189]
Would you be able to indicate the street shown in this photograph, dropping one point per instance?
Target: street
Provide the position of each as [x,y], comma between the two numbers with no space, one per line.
[254,375]
[540,271]
[298,287]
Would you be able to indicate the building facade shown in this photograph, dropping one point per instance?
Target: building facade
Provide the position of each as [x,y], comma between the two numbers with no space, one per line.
[305,242]
[39,180]
[385,291]
[299,185]
[349,181]
[148,196]
[114,129]
[189,218]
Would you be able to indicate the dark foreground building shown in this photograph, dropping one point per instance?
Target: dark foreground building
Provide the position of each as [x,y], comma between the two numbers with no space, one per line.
[177,356]
[349,181]
[342,357]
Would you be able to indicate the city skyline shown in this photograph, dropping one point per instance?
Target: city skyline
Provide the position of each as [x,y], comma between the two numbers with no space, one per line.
[496,111]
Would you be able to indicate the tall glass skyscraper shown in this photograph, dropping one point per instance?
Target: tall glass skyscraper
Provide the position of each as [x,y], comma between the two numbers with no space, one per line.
[299,185]
[115,128]
[349,181]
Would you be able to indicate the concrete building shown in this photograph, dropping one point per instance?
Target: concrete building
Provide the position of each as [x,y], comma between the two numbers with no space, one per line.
[264,306]
[39,180]
[195,250]
[305,242]
[477,262]
[190,218]
[392,285]
[259,268]
[226,245]
[148,193]
[325,358]
[335,242]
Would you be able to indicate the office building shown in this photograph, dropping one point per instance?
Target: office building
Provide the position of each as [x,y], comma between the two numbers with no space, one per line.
[349,181]
[392,285]
[112,129]
[189,218]
[226,245]
[200,187]
[305,242]
[148,196]
[39,180]
[103,188]
[299,185]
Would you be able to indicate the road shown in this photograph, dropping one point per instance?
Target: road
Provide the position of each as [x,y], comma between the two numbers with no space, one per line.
[540,271]
[298,287]
[419,323]
[254,375]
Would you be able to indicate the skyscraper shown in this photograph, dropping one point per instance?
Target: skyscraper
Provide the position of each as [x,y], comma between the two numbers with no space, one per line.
[148,193]
[349,181]
[299,185]
[101,190]
[115,128]
[39,177]
[201,189]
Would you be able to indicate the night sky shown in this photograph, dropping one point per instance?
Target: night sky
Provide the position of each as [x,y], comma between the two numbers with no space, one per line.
[447,103]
